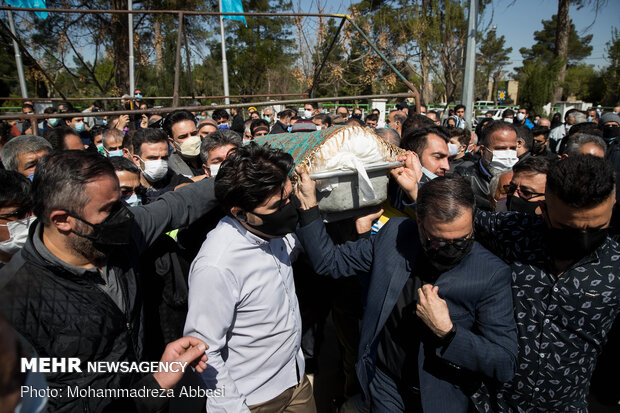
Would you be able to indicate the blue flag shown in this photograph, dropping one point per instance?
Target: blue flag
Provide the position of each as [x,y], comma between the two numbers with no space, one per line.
[34,4]
[230,6]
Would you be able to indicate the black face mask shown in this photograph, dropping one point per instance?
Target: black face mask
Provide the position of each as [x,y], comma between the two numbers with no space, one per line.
[610,133]
[115,230]
[538,147]
[571,244]
[514,203]
[449,256]
[279,223]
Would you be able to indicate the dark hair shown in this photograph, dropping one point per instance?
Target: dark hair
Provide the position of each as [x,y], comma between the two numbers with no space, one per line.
[416,140]
[220,137]
[416,121]
[400,117]
[354,122]
[342,107]
[27,105]
[75,115]
[590,128]
[286,113]
[258,122]
[120,163]
[220,114]
[444,198]
[508,112]
[373,117]
[49,110]
[481,125]
[56,136]
[575,142]
[491,128]
[527,111]
[324,118]
[15,190]
[60,179]
[541,130]
[96,130]
[457,107]
[251,175]
[525,134]
[462,135]
[147,135]
[537,164]
[581,181]
[175,117]
[314,105]
[68,105]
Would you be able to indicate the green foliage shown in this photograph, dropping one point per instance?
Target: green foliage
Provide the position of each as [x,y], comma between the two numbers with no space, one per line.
[611,75]
[537,88]
[491,59]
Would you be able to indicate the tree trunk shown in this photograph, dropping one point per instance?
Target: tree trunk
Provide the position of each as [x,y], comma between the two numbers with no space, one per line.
[426,85]
[561,45]
[158,45]
[120,45]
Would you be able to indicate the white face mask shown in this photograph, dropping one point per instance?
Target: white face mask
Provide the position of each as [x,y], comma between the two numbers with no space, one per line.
[190,146]
[428,173]
[319,127]
[133,200]
[214,169]
[520,116]
[246,141]
[18,234]
[155,170]
[453,149]
[508,120]
[503,160]
[307,113]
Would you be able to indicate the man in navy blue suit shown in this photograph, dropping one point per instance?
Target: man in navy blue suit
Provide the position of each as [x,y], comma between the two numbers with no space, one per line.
[439,318]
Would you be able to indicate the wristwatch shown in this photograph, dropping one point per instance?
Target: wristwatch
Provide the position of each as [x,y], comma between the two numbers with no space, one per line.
[447,339]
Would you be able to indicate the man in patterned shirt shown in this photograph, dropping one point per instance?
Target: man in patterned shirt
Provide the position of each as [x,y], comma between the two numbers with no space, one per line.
[566,286]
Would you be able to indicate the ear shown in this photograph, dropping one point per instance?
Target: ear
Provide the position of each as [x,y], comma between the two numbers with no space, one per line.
[237,213]
[127,154]
[207,170]
[60,220]
[135,159]
[520,142]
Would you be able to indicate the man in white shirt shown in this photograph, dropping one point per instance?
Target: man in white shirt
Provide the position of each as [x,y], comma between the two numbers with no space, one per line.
[242,298]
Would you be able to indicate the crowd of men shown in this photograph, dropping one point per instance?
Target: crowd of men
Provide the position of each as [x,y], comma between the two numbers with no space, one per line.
[488,280]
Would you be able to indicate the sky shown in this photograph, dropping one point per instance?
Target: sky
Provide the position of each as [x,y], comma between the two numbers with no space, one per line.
[517,20]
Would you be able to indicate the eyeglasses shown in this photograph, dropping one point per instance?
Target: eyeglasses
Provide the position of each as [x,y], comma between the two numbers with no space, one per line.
[438,243]
[523,193]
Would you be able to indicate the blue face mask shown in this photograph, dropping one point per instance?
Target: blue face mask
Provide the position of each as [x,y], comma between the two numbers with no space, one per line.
[31,177]
[80,127]
[104,122]
[289,129]
[223,126]
[428,173]
[133,200]
[112,154]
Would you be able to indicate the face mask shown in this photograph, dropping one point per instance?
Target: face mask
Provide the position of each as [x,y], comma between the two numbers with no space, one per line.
[133,200]
[610,133]
[508,120]
[319,127]
[53,121]
[501,205]
[289,129]
[100,149]
[104,122]
[246,141]
[514,203]
[279,223]
[138,95]
[115,230]
[428,174]
[190,146]
[447,257]
[503,160]
[267,119]
[538,147]
[453,149]
[590,118]
[80,127]
[520,116]
[223,126]
[307,113]
[155,170]
[18,234]
[112,154]
[214,169]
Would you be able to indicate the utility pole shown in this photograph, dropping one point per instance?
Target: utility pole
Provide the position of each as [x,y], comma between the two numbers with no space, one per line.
[132,85]
[470,63]
[224,62]
[18,58]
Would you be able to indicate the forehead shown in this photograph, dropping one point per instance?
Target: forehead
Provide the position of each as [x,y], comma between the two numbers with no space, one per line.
[530,178]
[220,151]
[279,195]
[127,178]
[560,213]
[459,227]
[156,147]
[182,127]
[503,136]
[435,143]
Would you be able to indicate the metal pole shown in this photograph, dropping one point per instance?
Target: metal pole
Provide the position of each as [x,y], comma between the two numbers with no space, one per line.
[470,64]
[224,62]
[177,64]
[132,84]
[18,58]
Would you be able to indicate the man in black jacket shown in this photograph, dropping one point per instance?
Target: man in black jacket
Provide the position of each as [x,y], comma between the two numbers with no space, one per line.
[284,119]
[74,289]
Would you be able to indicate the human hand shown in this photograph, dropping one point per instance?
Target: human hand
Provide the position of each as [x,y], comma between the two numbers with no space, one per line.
[305,188]
[364,223]
[408,176]
[433,310]
[123,121]
[185,350]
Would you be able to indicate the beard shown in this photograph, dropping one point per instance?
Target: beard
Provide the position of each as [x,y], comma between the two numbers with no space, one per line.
[84,246]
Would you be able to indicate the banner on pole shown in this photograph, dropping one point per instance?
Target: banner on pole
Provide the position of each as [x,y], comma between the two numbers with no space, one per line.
[34,4]
[229,6]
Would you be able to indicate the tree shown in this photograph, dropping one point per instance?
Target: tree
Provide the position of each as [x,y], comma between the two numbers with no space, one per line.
[611,75]
[536,89]
[491,60]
